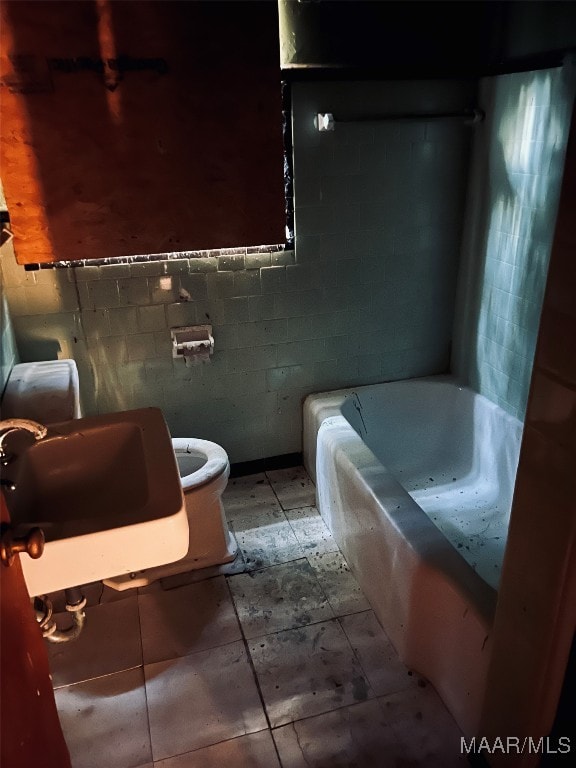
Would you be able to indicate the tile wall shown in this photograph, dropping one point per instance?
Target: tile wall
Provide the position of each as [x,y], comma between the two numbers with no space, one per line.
[517,164]
[536,614]
[367,296]
[8,350]
[378,208]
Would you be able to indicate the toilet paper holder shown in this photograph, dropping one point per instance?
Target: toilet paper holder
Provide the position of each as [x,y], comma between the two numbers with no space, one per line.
[192,341]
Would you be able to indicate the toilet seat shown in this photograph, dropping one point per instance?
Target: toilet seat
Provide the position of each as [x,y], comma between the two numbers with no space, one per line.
[216,460]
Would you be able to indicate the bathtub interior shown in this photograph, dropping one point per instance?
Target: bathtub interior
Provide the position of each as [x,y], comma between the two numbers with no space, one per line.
[453,451]
[405,425]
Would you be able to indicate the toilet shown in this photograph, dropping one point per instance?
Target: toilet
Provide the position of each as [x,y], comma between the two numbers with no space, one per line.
[204,470]
[48,392]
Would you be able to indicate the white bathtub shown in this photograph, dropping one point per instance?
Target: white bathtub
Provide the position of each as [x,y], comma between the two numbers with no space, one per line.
[415,480]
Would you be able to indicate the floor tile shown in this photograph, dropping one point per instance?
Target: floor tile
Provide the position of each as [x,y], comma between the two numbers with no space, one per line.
[104,721]
[337,581]
[293,487]
[352,737]
[245,485]
[311,531]
[334,689]
[307,671]
[110,642]
[249,493]
[426,731]
[266,538]
[202,699]
[258,517]
[237,565]
[190,618]
[378,658]
[277,598]
[256,750]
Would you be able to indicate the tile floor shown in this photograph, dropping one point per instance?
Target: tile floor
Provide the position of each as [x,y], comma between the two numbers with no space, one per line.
[273,661]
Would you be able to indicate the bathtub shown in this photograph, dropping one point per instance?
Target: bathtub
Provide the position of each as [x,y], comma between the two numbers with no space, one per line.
[415,480]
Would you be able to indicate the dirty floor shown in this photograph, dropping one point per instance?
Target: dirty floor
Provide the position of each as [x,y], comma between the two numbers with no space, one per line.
[274,660]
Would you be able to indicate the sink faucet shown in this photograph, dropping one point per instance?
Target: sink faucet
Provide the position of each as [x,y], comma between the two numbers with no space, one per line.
[9,426]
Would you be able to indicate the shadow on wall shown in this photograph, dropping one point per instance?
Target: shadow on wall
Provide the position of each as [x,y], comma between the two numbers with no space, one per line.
[43,349]
[523,165]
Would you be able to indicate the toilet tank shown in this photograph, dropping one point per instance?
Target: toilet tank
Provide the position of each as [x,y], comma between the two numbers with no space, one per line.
[47,392]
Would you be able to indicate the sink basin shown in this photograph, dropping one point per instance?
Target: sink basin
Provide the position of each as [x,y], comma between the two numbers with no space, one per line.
[106,492]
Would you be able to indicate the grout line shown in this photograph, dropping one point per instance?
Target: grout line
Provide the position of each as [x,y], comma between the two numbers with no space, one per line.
[335,709]
[249,657]
[357,657]
[275,748]
[255,675]
[246,646]
[292,629]
[275,494]
[247,641]
[98,677]
[214,744]
[144,679]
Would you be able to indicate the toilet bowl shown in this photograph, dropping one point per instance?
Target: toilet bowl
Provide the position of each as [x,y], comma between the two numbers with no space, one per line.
[204,470]
[48,392]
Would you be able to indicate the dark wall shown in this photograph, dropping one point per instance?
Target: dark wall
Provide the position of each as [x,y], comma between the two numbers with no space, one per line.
[408,38]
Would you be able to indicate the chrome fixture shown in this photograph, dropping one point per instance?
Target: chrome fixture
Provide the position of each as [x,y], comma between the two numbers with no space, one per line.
[10,426]
[326,121]
[75,604]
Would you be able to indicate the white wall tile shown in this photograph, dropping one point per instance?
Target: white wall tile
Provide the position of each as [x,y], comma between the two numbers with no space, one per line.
[261,307]
[151,318]
[235,310]
[230,263]
[517,166]
[123,320]
[103,294]
[114,271]
[182,313]
[260,333]
[247,283]
[301,303]
[96,323]
[252,359]
[220,285]
[257,260]
[145,268]
[273,279]
[285,323]
[226,337]
[133,291]
[84,273]
[141,346]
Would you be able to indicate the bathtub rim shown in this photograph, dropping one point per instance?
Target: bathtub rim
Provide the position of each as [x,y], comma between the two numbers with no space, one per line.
[319,406]
[446,634]
[422,536]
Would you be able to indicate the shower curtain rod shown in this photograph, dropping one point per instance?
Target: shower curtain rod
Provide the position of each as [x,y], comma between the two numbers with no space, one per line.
[326,121]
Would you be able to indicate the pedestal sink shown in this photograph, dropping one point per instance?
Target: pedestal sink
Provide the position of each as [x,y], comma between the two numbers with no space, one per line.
[106,492]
